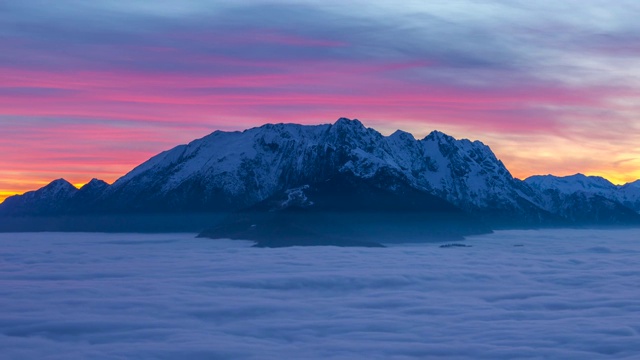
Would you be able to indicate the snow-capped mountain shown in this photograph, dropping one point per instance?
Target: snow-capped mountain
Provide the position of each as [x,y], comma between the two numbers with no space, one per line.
[629,195]
[57,197]
[558,188]
[229,171]
[572,184]
[587,208]
[233,170]
[86,198]
[49,199]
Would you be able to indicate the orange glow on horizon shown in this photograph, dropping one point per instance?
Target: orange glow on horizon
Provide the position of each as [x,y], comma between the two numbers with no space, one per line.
[6,193]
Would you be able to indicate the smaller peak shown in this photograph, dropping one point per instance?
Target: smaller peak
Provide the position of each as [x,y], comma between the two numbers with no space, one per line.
[538,177]
[592,178]
[578,176]
[346,121]
[95,183]
[439,136]
[571,183]
[635,184]
[344,125]
[260,129]
[59,182]
[551,177]
[57,186]
[270,127]
[402,135]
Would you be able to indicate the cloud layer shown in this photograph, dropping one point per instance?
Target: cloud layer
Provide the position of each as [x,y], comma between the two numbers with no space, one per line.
[532,80]
[553,294]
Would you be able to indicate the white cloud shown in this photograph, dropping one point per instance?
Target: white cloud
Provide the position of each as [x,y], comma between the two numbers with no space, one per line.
[563,294]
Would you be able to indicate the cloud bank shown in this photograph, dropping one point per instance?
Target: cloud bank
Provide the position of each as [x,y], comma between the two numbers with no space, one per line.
[553,294]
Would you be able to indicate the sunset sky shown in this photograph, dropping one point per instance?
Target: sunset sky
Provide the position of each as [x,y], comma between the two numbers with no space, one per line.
[93,88]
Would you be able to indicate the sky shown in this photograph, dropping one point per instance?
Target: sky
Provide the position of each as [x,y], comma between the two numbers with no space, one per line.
[93,88]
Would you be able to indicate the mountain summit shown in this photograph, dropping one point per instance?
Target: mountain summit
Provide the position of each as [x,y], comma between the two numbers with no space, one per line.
[247,172]
[233,170]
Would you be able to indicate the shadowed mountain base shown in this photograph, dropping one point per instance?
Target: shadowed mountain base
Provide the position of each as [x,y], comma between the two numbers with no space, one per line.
[348,211]
[277,229]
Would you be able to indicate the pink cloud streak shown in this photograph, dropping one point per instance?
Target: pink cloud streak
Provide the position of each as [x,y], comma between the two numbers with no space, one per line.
[151,107]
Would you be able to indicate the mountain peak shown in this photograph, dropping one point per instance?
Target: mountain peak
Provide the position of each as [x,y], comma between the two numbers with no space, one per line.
[439,136]
[400,134]
[633,184]
[59,185]
[94,184]
[571,183]
[348,130]
[60,181]
[346,122]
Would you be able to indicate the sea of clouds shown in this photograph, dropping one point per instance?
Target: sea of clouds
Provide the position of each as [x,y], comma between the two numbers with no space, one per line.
[562,294]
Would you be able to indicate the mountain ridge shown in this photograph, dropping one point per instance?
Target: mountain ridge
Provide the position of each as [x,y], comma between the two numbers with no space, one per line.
[231,171]
[562,186]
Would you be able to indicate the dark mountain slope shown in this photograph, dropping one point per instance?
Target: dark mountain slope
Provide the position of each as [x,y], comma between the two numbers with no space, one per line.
[346,209]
